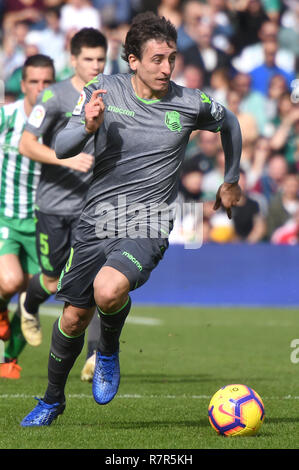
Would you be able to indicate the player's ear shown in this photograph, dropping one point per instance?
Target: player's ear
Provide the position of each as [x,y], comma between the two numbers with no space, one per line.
[133,62]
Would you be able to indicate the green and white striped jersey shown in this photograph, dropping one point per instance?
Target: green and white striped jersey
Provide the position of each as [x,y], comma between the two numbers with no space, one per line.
[19,176]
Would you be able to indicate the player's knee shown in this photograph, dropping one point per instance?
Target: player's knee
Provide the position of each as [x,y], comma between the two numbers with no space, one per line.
[11,284]
[108,298]
[74,321]
[50,283]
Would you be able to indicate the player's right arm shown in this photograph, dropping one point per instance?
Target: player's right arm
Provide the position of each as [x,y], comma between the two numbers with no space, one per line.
[44,114]
[35,150]
[74,136]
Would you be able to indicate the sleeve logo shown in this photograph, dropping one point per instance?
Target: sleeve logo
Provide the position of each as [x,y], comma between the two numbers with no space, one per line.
[37,116]
[79,105]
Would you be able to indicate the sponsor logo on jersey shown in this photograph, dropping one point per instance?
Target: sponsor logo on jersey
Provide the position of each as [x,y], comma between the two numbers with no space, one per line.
[37,116]
[126,112]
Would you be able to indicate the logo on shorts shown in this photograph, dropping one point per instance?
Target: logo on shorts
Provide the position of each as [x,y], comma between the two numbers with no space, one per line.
[172,121]
[131,258]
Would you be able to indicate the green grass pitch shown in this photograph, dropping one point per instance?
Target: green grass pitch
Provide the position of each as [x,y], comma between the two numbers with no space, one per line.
[173,359]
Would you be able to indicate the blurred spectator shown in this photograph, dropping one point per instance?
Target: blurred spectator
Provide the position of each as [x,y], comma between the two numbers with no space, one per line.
[204,54]
[277,88]
[253,56]
[214,178]
[252,102]
[192,77]
[284,204]
[289,31]
[288,233]
[286,124]
[114,12]
[50,40]
[22,10]
[189,207]
[247,123]
[248,219]
[115,63]
[78,14]
[262,74]
[13,83]
[273,176]
[261,156]
[14,43]
[191,15]
[249,16]
[171,9]
[219,14]
[204,148]
[219,85]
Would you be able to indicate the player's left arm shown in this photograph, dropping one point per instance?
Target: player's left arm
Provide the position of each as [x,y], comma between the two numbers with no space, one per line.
[214,117]
[229,193]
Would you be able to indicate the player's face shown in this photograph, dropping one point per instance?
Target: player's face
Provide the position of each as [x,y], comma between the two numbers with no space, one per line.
[36,80]
[89,63]
[153,71]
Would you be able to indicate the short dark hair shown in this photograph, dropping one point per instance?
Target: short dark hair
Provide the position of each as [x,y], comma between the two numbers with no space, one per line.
[38,60]
[87,37]
[144,27]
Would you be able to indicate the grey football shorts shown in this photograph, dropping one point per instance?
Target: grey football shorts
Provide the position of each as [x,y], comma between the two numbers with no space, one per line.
[133,257]
[54,237]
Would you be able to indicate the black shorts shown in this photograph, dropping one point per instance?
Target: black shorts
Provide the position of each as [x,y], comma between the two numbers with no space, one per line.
[54,237]
[133,257]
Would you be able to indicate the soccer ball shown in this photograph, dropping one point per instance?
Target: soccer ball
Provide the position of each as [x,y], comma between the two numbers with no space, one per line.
[236,410]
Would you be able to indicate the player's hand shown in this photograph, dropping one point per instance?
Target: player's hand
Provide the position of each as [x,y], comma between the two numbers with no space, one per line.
[228,196]
[94,112]
[81,162]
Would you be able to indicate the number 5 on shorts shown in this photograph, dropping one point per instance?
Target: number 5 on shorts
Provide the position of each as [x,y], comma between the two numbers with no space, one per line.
[44,245]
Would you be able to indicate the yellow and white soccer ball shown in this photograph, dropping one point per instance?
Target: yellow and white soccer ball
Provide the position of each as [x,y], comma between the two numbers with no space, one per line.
[236,410]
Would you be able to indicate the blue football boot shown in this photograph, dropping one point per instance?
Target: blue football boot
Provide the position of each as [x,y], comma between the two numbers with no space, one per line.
[43,414]
[106,378]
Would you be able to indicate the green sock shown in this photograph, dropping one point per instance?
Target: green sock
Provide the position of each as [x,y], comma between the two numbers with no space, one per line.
[17,341]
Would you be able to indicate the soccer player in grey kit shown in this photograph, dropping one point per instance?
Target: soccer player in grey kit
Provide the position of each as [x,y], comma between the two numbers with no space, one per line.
[141,123]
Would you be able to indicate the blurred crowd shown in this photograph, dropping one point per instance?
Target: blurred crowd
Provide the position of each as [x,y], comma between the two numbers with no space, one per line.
[243,53]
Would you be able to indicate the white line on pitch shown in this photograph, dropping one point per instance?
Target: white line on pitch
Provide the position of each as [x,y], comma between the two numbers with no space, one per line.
[82,396]
[56,312]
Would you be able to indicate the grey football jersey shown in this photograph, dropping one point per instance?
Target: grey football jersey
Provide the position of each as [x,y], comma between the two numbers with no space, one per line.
[140,146]
[61,190]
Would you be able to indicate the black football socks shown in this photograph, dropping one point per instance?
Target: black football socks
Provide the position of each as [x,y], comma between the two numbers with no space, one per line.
[63,354]
[93,335]
[111,328]
[36,294]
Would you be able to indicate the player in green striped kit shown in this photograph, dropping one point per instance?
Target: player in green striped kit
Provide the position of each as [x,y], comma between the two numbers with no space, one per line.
[19,177]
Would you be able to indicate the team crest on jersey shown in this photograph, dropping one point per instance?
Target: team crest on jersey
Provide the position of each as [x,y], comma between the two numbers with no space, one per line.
[172,121]
[37,116]
[80,103]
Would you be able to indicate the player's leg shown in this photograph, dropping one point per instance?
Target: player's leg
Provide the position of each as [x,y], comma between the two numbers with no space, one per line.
[10,369]
[11,281]
[92,345]
[75,287]
[111,293]
[128,266]
[66,344]
[27,264]
[53,245]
